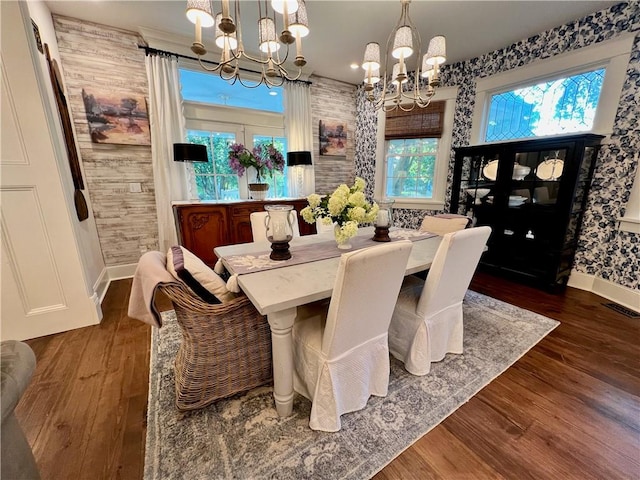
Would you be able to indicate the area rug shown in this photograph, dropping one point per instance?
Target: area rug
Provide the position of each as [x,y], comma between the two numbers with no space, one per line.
[243,437]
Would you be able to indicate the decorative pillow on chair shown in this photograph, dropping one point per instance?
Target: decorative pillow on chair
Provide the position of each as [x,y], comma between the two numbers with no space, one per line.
[204,282]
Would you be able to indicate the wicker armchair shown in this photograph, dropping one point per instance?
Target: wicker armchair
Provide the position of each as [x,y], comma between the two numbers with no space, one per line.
[225,349]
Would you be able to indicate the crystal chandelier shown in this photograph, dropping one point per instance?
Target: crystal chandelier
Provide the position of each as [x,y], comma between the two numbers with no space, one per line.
[392,94]
[228,38]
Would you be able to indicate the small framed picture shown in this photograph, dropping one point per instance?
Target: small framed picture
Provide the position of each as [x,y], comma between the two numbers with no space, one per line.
[333,138]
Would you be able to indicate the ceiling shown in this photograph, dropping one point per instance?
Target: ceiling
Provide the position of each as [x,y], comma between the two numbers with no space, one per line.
[341,29]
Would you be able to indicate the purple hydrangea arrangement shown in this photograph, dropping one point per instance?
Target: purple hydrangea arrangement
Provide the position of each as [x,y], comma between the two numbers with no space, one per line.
[264,158]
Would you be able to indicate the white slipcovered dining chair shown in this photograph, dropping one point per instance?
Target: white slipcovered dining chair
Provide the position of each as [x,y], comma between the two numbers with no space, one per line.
[442,224]
[341,351]
[259,229]
[427,319]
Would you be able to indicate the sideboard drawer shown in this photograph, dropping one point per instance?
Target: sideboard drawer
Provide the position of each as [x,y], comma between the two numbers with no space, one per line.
[245,210]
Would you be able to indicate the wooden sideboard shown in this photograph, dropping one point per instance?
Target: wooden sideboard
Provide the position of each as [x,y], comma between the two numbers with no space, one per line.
[203,226]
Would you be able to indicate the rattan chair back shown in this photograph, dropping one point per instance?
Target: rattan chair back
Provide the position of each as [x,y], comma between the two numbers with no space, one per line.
[225,349]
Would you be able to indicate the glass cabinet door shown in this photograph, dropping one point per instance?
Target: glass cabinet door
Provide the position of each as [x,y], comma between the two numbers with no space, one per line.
[477,180]
[536,177]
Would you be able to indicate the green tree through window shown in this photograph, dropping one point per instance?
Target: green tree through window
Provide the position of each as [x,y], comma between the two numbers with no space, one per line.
[410,167]
[565,105]
[215,179]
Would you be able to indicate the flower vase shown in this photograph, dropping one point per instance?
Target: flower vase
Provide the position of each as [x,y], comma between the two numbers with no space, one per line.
[258,191]
[344,242]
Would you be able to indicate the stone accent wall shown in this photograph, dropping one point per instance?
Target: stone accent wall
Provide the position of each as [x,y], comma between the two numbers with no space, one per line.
[102,58]
[333,100]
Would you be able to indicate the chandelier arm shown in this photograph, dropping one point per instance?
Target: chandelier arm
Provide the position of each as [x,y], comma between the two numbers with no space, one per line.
[276,62]
[269,83]
[416,32]
[411,106]
[255,85]
[240,48]
[229,75]
[204,67]
[285,75]
[380,102]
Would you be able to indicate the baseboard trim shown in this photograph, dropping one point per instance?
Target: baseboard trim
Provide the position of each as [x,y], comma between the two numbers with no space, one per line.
[102,285]
[97,304]
[625,296]
[107,276]
[119,272]
[581,281]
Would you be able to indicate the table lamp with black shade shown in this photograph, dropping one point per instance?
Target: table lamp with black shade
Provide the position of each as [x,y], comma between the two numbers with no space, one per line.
[301,176]
[189,152]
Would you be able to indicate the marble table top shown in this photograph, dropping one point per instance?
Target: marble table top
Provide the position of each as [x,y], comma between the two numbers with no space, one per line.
[281,288]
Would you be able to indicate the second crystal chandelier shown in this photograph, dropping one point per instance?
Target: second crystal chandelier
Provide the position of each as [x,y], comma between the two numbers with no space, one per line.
[228,37]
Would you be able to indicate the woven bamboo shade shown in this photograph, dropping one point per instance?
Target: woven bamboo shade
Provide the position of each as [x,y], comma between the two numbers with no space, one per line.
[418,123]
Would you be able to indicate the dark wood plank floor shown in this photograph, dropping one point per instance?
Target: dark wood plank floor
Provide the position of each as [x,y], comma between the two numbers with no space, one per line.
[569,408]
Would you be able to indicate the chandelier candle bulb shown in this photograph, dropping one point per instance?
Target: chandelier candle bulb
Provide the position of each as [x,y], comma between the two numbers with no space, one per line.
[298,47]
[198,30]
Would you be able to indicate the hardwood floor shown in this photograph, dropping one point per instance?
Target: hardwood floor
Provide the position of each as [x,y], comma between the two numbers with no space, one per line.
[569,408]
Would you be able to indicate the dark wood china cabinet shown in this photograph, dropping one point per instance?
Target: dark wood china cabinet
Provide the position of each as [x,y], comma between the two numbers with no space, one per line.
[532,194]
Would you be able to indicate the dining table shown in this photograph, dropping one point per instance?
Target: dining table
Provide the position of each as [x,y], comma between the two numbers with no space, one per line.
[278,292]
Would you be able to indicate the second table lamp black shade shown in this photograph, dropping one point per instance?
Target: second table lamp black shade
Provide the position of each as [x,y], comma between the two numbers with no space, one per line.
[298,158]
[189,152]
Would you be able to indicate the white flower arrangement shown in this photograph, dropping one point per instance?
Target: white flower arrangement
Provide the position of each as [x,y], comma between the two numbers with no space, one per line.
[346,206]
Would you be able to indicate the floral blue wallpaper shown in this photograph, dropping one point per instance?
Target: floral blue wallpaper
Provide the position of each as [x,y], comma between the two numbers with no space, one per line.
[603,250]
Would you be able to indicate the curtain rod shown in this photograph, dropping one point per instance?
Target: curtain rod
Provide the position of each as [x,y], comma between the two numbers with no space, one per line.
[155,51]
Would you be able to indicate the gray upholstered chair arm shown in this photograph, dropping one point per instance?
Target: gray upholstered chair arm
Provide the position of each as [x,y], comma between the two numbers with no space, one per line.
[17,363]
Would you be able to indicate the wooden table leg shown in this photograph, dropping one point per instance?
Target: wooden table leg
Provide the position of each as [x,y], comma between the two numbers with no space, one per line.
[282,350]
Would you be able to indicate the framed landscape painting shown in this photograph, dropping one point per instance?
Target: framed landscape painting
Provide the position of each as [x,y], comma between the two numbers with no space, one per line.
[116,117]
[333,138]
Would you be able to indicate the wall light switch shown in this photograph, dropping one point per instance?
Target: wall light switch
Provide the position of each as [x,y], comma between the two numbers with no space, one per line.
[135,188]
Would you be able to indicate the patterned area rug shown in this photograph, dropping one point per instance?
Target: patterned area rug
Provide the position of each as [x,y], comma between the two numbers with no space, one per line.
[243,437]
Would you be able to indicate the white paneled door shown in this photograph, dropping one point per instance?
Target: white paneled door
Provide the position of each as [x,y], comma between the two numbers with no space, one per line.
[43,287]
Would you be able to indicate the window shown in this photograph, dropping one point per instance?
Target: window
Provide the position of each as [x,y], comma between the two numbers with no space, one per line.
[561,106]
[215,180]
[414,151]
[410,168]
[278,183]
[577,91]
[218,114]
[211,89]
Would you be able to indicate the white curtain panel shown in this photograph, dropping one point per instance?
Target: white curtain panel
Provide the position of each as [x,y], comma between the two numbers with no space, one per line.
[167,125]
[297,107]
